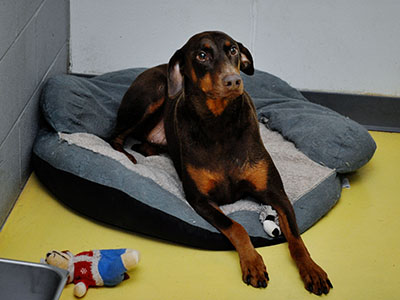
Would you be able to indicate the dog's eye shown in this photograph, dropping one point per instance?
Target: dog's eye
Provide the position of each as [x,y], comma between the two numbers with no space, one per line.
[233,51]
[202,56]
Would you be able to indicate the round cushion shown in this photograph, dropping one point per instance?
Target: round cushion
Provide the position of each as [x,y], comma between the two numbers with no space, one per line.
[310,145]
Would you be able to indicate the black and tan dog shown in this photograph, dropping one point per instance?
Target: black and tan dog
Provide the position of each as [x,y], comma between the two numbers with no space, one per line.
[196,109]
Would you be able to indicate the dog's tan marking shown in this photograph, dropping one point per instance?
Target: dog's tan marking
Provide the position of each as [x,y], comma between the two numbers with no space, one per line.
[206,83]
[217,106]
[256,174]
[193,75]
[204,179]
[155,105]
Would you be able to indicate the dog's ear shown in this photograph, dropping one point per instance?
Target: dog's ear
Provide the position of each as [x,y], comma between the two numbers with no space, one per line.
[175,76]
[246,60]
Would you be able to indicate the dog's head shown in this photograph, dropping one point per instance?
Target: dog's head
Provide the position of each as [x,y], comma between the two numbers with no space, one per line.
[210,62]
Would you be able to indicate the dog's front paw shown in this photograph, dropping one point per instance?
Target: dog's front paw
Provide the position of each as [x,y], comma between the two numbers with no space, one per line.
[315,279]
[254,271]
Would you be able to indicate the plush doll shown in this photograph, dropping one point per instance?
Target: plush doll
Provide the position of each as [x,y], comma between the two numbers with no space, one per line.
[269,219]
[94,268]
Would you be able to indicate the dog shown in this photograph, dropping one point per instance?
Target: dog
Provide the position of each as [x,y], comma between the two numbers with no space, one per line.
[195,108]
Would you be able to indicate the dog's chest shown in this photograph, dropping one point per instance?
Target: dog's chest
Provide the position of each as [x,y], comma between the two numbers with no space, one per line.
[226,184]
[226,173]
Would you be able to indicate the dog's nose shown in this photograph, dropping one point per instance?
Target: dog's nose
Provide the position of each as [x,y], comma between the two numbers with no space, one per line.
[232,81]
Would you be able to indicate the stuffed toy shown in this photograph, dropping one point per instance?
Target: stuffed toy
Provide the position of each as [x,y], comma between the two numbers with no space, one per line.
[94,268]
[269,219]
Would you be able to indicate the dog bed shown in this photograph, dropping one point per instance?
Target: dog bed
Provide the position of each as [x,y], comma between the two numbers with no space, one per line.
[310,145]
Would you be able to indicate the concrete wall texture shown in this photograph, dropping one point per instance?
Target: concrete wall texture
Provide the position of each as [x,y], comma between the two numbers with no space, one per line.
[338,46]
[34,38]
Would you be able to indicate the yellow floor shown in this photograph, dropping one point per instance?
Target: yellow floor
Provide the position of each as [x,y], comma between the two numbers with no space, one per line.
[358,244]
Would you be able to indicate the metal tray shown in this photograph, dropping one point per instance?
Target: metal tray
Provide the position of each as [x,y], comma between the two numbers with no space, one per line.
[20,280]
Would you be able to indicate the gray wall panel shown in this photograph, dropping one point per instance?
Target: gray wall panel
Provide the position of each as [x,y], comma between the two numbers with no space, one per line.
[9,173]
[34,45]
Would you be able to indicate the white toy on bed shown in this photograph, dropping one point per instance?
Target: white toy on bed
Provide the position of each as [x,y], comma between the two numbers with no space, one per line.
[269,219]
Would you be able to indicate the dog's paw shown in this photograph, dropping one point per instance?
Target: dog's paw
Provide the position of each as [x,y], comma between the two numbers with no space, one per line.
[254,272]
[315,279]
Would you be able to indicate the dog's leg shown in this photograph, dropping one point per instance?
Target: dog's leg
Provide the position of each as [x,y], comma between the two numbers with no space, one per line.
[141,108]
[314,277]
[252,265]
[118,143]
[267,187]
[198,183]
[148,149]
[129,122]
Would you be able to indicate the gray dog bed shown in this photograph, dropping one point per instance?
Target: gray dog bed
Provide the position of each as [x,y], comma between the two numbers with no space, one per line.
[310,145]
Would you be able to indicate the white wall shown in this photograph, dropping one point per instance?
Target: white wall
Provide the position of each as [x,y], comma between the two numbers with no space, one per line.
[342,46]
